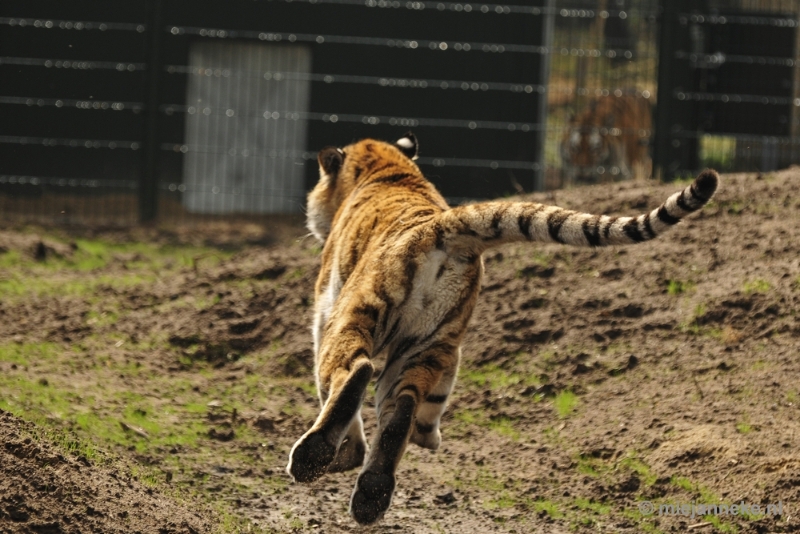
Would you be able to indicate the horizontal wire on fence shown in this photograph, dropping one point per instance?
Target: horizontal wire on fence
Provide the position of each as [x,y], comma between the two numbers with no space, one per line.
[464,7]
[751,20]
[602,91]
[73,64]
[136,107]
[50,24]
[306,155]
[68,182]
[372,120]
[261,153]
[344,39]
[412,44]
[78,143]
[93,183]
[480,163]
[765,139]
[395,4]
[383,81]
[719,59]
[735,98]
[254,191]
[71,143]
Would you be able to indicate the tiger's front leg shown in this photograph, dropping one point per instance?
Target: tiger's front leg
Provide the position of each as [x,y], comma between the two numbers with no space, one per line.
[403,391]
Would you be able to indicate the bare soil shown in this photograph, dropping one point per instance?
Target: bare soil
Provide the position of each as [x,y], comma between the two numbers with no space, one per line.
[46,491]
[592,381]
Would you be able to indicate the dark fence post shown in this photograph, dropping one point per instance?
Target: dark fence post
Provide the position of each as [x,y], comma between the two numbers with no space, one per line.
[668,18]
[548,24]
[148,186]
[676,144]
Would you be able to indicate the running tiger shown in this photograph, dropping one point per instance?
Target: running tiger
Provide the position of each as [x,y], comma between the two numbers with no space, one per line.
[609,140]
[400,277]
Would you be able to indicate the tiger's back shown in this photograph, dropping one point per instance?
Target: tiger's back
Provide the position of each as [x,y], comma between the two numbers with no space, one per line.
[400,277]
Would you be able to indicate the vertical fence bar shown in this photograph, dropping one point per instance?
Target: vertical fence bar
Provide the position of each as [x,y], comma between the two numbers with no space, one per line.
[148,186]
[668,14]
[548,24]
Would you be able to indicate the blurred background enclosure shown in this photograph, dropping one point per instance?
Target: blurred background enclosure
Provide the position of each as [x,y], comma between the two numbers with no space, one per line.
[134,111]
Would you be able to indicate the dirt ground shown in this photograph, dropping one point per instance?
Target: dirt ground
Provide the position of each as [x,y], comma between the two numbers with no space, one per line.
[593,383]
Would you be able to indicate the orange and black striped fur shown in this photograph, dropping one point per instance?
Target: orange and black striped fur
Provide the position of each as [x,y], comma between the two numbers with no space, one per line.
[609,140]
[400,277]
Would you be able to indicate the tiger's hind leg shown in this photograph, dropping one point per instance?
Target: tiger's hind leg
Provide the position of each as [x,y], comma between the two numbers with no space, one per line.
[374,488]
[426,432]
[353,449]
[344,383]
[402,390]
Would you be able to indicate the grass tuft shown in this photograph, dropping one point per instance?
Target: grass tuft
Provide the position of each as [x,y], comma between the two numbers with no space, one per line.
[757,286]
[565,403]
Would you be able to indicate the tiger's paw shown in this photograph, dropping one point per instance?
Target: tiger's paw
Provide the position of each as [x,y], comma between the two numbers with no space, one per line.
[372,497]
[310,457]
[427,437]
[351,455]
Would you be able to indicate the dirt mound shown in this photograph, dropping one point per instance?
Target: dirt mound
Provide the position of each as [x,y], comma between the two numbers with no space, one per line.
[43,489]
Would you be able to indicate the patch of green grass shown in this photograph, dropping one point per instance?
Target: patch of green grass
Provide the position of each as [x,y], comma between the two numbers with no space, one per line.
[683,483]
[490,376]
[311,389]
[483,479]
[12,258]
[756,286]
[592,506]
[501,502]
[548,507]
[700,310]
[791,396]
[105,318]
[206,302]
[643,523]
[28,353]
[64,440]
[703,494]
[66,276]
[587,465]
[634,464]
[52,400]
[743,428]
[735,207]
[502,425]
[34,285]
[720,525]
[678,287]
[564,403]
[505,427]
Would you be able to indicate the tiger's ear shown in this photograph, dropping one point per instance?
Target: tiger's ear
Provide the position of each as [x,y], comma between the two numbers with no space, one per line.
[330,160]
[408,145]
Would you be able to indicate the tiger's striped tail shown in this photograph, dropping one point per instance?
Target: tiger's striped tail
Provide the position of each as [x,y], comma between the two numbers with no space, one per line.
[477,227]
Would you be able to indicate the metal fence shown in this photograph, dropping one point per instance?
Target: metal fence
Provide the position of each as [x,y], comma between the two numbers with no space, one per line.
[171,110]
[728,85]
